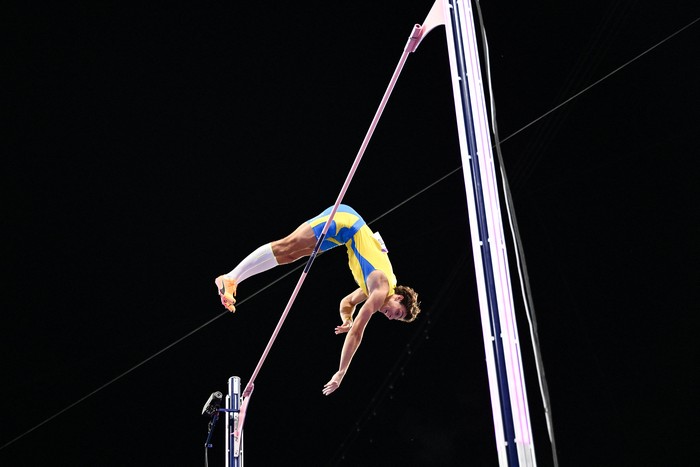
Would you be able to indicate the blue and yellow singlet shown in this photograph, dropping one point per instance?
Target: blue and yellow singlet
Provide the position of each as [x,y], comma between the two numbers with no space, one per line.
[365,253]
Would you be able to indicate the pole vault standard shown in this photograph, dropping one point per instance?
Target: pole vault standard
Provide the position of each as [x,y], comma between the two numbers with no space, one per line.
[503,358]
[234,436]
[231,411]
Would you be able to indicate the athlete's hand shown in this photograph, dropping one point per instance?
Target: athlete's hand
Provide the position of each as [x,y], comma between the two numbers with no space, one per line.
[333,384]
[343,328]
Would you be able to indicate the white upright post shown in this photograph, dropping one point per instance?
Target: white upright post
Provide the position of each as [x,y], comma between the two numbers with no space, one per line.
[503,358]
[234,450]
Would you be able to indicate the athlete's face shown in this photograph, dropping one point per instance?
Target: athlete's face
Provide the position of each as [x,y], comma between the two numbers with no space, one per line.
[393,308]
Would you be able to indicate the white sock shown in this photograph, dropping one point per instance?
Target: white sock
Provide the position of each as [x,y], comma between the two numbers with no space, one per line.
[258,261]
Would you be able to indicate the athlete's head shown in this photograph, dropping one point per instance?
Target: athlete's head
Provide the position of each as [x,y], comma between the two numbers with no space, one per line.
[409,301]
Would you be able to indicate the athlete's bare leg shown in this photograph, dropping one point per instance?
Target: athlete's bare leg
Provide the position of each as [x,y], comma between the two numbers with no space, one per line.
[298,244]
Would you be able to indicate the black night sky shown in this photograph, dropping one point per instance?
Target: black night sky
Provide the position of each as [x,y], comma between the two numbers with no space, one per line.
[150,148]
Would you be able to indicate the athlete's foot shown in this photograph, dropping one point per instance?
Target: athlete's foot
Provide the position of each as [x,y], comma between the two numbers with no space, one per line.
[227,292]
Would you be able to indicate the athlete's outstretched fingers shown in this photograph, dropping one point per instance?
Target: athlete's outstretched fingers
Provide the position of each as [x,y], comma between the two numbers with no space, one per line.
[330,387]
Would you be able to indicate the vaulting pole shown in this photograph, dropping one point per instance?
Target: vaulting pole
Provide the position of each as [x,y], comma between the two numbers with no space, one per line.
[410,46]
[504,363]
[509,404]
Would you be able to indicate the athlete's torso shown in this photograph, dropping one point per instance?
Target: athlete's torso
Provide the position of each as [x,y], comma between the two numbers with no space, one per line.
[365,253]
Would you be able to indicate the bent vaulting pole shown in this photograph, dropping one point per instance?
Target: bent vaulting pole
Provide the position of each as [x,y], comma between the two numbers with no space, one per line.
[411,45]
[509,404]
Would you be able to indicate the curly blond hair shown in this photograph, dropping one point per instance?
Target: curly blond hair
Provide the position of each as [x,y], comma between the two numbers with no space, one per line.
[410,301]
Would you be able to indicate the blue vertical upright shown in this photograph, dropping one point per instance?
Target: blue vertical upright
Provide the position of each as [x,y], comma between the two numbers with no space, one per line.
[502,346]
[234,436]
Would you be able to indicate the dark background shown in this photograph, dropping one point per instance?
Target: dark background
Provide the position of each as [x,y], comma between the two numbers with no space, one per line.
[150,148]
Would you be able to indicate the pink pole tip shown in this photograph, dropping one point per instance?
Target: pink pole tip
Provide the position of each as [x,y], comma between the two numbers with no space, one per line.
[414,38]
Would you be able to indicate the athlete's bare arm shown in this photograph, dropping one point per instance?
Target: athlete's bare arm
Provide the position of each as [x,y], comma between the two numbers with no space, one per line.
[347,309]
[379,288]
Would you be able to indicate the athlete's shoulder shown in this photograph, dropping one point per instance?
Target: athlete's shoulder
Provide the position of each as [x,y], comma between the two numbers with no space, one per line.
[377,280]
